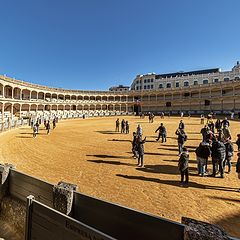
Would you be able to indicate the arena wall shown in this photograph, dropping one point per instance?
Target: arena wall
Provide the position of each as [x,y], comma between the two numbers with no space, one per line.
[20,100]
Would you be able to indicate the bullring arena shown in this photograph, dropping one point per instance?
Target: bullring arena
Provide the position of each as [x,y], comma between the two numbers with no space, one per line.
[88,152]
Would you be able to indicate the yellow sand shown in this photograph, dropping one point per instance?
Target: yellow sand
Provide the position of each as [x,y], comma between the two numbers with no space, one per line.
[90,154]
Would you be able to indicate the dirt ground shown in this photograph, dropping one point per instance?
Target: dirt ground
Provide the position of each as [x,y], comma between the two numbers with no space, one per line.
[90,154]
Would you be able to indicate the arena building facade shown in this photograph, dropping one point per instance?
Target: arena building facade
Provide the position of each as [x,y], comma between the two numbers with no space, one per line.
[19,99]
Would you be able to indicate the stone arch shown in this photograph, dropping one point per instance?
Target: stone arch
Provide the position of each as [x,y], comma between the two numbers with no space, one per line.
[8,91]
[80,97]
[86,107]
[92,107]
[79,107]
[98,107]
[67,107]
[98,98]
[17,93]
[41,95]
[25,94]
[73,97]
[60,107]
[34,95]
[54,107]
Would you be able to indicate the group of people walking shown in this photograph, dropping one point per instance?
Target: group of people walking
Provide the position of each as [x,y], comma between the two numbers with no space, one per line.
[35,125]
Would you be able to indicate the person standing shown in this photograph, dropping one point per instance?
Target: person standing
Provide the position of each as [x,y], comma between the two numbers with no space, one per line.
[140,146]
[202,119]
[183,165]
[162,132]
[226,132]
[229,155]
[238,142]
[34,131]
[139,131]
[123,126]
[181,125]
[134,145]
[127,127]
[54,123]
[48,127]
[117,125]
[182,137]
[203,152]
[37,126]
[218,156]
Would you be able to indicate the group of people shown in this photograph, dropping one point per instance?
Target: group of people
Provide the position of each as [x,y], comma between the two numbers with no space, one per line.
[124,126]
[35,125]
[216,144]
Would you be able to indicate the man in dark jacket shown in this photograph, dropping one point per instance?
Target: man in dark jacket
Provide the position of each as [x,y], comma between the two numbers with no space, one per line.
[229,154]
[218,155]
[182,137]
[140,147]
[181,125]
[162,133]
[203,152]
[183,165]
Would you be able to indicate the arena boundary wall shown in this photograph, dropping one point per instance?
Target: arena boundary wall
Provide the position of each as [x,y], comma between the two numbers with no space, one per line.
[90,218]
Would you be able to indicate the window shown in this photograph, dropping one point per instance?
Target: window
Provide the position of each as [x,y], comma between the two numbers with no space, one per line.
[145,87]
[237,78]
[137,88]
[207,103]
[145,80]
[216,80]
[205,81]
[186,84]
[151,86]
[148,86]
[152,80]
[186,94]
[195,82]
[160,86]
[137,82]
[177,84]
[226,79]
[168,104]
[148,80]
[169,85]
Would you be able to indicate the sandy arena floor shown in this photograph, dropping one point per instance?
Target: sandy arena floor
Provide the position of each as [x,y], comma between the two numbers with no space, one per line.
[90,154]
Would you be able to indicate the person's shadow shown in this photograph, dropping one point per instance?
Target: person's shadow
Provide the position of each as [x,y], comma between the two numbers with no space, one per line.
[177,183]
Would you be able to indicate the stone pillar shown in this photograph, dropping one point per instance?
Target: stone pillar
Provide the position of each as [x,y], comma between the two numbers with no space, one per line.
[198,230]
[63,197]
[3,91]
[11,111]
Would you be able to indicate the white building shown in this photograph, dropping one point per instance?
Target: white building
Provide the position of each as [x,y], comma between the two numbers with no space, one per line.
[152,81]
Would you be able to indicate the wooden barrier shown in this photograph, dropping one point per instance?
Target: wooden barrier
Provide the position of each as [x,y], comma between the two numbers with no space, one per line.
[90,218]
[45,223]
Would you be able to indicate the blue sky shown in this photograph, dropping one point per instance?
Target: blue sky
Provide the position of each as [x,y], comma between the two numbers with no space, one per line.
[94,44]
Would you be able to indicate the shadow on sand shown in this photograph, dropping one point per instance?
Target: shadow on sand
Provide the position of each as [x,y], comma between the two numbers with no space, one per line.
[177,183]
[108,132]
[163,169]
[112,162]
[119,140]
[108,156]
